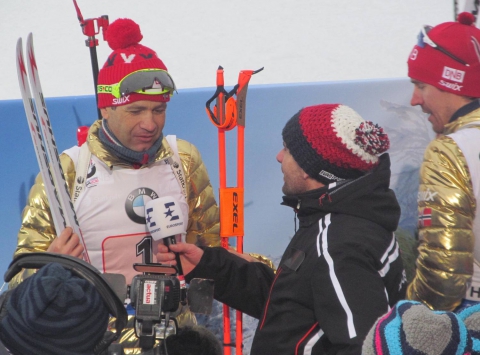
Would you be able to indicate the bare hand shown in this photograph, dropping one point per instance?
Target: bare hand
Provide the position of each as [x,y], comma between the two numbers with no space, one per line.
[67,243]
[190,255]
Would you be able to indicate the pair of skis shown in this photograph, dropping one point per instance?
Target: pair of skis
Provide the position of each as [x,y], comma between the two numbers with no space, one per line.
[61,206]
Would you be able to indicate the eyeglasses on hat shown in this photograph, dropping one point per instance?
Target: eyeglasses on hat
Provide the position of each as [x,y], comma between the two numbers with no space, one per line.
[144,81]
[424,39]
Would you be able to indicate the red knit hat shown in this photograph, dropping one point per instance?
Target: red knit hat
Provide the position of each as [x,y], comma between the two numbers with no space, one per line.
[331,142]
[436,65]
[128,56]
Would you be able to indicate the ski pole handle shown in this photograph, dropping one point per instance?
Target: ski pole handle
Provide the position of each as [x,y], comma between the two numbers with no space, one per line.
[91,27]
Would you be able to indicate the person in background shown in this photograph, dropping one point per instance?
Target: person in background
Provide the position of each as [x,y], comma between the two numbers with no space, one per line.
[52,312]
[412,328]
[342,268]
[193,340]
[444,68]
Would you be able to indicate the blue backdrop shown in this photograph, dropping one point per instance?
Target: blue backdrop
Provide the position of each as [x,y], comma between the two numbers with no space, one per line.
[268,226]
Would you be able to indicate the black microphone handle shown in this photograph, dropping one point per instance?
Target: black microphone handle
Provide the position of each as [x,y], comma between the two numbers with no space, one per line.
[169,241]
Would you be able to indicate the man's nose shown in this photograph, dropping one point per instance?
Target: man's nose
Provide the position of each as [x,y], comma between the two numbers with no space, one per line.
[280,156]
[148,122]
[416,98]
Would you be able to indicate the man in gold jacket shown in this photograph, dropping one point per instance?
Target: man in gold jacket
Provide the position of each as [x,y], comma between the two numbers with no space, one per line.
[444,67]
[126,160]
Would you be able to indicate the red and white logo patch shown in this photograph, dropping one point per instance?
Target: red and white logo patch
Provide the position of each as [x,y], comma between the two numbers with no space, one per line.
[425,218]
[453,74]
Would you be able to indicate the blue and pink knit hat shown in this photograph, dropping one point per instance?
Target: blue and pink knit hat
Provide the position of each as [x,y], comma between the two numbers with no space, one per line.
[412,328]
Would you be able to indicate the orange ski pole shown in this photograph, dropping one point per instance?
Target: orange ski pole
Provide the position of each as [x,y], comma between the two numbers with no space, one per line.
[218,119]
[227,113]
[243,79]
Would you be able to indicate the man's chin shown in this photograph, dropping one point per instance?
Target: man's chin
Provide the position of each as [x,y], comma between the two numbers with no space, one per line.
[142,146]
[432,121]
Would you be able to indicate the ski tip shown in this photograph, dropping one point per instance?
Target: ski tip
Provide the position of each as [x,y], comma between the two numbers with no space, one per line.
[29,48]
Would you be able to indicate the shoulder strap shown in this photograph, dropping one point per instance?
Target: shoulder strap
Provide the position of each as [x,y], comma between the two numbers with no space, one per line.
[81,169]
[467,141]
[84,157]
[176,164]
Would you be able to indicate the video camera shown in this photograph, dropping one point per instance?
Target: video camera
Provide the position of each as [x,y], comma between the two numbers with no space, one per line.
[154,295]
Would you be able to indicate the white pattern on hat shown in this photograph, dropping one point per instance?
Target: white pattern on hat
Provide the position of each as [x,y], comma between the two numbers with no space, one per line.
[345,121]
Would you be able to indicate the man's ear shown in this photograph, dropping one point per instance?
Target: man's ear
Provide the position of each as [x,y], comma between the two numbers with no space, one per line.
[104,113]
[311,182]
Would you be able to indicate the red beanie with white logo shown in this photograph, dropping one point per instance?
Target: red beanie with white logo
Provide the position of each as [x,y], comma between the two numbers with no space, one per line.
[128,56]
[331,142]
[439,63]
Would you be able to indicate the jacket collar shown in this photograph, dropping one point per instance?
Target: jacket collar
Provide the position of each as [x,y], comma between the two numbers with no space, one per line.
[368,197]
[465,110]
[464,116]
[111,160]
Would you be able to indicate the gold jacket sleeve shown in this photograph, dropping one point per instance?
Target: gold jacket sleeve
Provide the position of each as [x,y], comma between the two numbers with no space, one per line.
[203,222]
[37,230]
[445,261]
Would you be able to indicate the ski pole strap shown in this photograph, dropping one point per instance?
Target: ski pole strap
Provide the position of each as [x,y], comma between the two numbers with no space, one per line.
[224,114]
[229,117]
[234,108]
[231,212]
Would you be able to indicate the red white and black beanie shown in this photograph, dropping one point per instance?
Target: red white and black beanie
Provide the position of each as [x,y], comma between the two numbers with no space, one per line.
[124,36]
[431,66]
[331,142]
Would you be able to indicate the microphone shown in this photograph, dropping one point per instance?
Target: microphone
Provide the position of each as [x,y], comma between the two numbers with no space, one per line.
[164,219]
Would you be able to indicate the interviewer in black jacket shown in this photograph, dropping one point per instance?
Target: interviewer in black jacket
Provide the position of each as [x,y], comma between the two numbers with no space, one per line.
[342,269]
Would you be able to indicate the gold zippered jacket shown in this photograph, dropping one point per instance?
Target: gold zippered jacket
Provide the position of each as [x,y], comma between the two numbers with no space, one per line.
[446,207]
[37,231]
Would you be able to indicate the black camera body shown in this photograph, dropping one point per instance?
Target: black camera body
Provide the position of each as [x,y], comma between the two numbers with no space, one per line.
[154,294]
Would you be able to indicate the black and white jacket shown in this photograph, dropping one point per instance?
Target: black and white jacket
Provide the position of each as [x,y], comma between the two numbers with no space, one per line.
[341,271]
